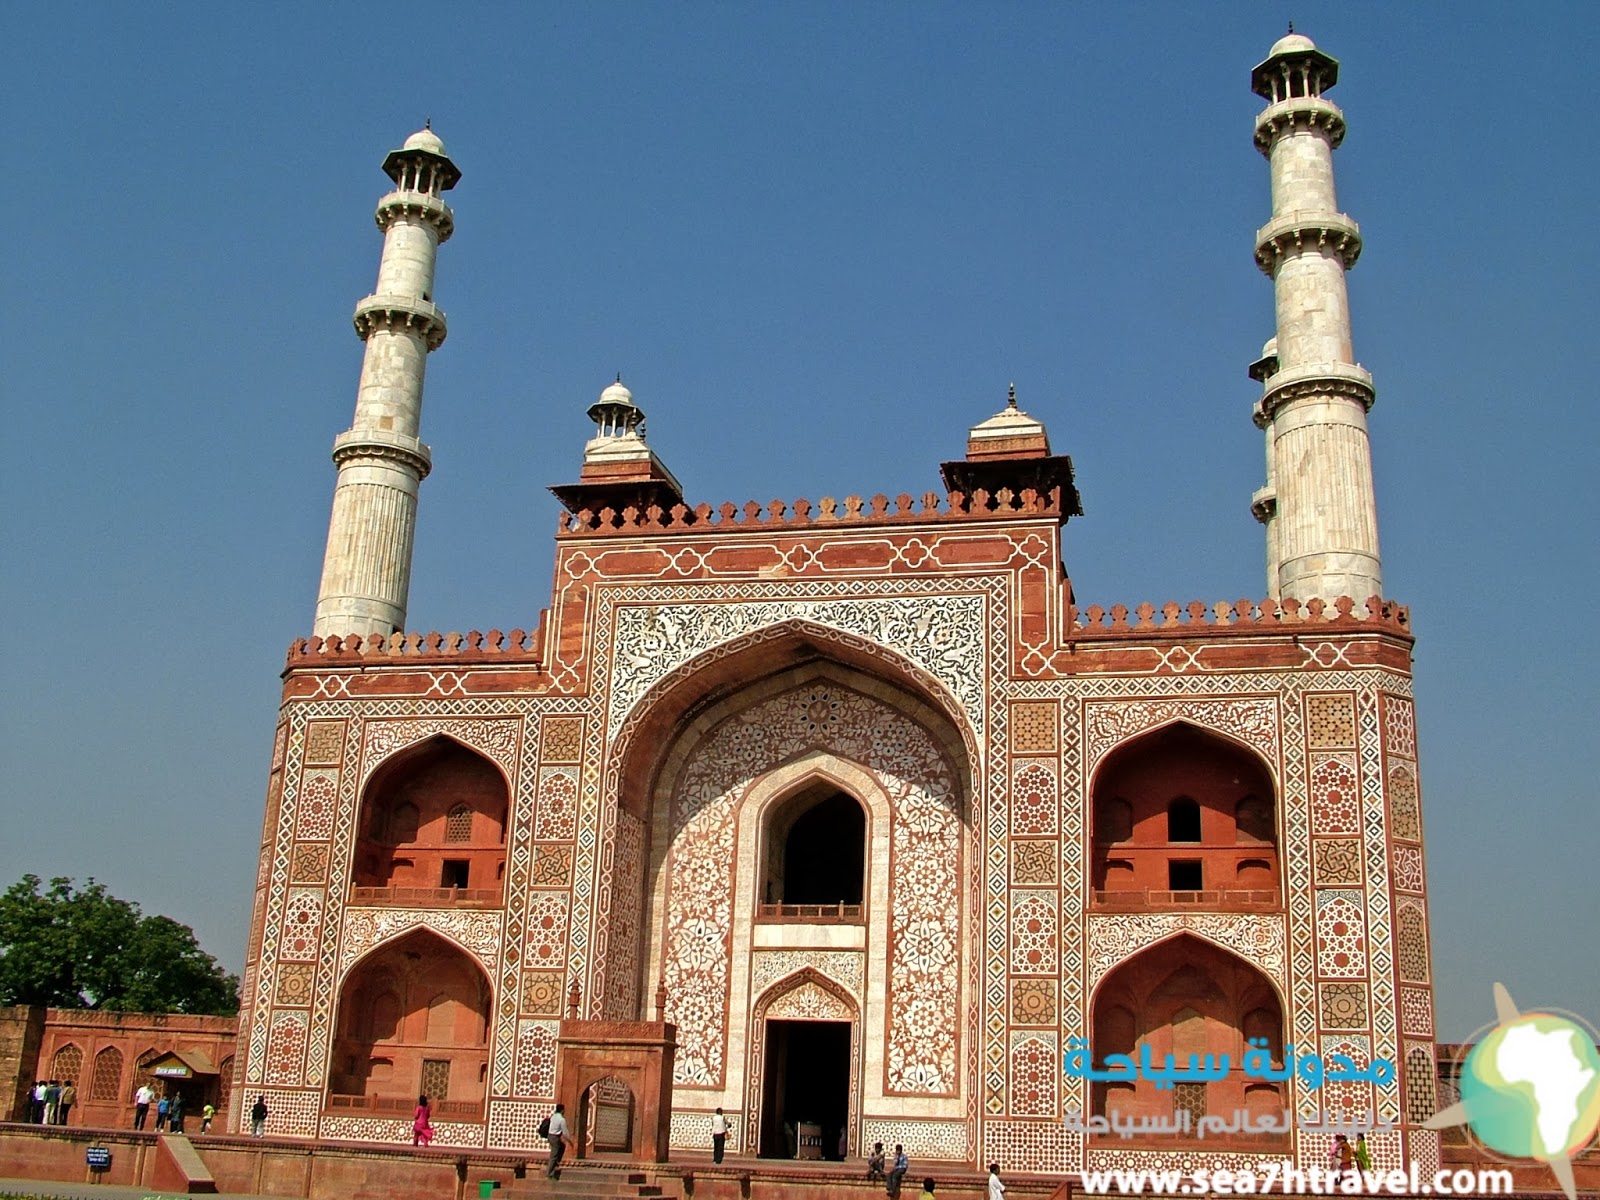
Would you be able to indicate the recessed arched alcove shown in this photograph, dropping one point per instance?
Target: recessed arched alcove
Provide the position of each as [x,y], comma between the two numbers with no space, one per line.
[814,845]
[413,1018]
[1186,996]
[1184,817]
[432,828]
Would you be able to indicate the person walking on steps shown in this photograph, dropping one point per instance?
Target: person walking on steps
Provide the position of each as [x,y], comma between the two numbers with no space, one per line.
[556,1132]
[719,1135]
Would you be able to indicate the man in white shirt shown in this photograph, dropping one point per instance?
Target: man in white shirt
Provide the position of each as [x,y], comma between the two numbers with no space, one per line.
[141,1104]
[996,1188]
[558,1142]
[719,1135]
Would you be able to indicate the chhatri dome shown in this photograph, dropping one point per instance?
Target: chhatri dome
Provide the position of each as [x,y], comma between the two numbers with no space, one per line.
[424,139]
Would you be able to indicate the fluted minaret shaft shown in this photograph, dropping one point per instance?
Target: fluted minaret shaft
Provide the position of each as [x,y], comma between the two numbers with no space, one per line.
[366,571]
[1319,504]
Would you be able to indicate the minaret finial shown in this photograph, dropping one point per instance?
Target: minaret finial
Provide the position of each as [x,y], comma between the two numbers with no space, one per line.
[1011,397]
[1291,26]
[427,122]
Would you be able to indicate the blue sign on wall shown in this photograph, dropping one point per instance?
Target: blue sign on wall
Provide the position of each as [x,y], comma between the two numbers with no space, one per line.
[99,1157]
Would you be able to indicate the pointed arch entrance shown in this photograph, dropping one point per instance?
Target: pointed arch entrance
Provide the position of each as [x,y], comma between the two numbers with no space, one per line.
[714,806]
[412,1019]
[1187,996]
[805,1054]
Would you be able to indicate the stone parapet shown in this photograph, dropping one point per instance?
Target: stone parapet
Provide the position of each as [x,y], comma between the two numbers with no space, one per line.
[1242,616]
[518,646]
[728,518]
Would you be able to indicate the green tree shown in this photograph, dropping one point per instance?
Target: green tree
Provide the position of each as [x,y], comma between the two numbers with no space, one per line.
[85,948]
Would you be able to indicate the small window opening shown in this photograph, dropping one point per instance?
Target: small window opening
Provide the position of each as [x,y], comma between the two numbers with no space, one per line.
[1183,820]
[1184,876]
[454,874]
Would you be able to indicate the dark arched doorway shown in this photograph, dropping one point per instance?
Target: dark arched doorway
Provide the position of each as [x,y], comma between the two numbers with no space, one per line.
[815,854]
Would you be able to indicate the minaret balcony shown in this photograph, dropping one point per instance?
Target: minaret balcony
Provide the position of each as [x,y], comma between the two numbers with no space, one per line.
[1299,112]
[1293,232]
[1318,379]
[418,205]
[410,314]
[384,444]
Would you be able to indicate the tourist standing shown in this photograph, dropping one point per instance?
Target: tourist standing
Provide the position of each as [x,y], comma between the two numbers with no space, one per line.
[163,1107]
[996,1188]
[558,1142]
[141,1105]
[69,1097]
[175,1114]
[1362,1154]
[719,1135]
[258,1117]
[36,1111]
[422,1123]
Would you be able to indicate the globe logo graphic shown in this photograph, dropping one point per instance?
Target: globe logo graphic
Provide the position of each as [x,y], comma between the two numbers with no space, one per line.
[1530,1088]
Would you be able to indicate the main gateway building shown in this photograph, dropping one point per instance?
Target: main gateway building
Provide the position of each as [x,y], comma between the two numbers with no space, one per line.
[841,815]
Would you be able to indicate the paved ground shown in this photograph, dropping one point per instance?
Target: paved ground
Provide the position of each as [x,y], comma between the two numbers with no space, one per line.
[102,1191]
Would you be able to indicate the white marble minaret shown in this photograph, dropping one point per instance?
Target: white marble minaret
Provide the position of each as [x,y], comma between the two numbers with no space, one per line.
[366,572]
[1318,505]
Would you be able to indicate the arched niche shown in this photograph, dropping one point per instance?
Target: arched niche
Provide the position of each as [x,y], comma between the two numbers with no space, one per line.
[1182,817]
[432,828]
[1186,996]
[813,853]
[412,1018]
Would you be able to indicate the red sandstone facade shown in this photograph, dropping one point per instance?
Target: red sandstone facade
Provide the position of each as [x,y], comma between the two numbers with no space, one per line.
[1191,825]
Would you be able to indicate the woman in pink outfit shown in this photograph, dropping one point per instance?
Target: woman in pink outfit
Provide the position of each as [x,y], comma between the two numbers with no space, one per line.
[421,1123]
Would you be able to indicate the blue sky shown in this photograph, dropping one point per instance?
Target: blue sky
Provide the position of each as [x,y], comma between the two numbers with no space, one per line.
[818,240]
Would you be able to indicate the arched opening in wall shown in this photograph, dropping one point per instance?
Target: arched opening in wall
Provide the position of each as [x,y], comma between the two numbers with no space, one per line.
[1188,998]
[605,1117]
[814,854]
[413,1018]
[1182,817]
[707,761]
[224,1085]
[432,829]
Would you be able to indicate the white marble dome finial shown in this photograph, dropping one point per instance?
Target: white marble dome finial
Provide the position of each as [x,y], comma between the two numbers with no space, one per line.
[1291,43]
[425,139]
[615,393]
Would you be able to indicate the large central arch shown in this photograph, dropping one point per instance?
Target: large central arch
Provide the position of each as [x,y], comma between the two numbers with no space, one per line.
[702,776]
